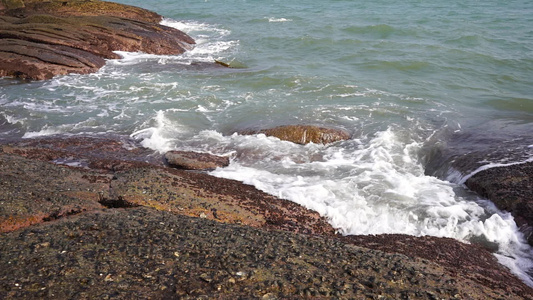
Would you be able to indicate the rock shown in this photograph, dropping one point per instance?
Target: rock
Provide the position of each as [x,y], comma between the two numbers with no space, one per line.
[510,188]
[190,160]
[304,134]
[43,39]
[130,176]
[129,253]
[471,261]
[77,8]
[33,192]
[135,230]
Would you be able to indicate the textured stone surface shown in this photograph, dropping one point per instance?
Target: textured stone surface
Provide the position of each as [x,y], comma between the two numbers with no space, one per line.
[511,189]
[113,176]
[48,38]
[113,222]
[304,134]
[190,160]
[142,253]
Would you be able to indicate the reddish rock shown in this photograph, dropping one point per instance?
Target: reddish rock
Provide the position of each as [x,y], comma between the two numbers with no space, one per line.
[119,174]
[304,134]
[48,38]
[115,198]
[190,160]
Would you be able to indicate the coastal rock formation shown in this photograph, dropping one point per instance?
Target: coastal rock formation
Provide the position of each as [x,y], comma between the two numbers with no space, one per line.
[100,218]
[42,39]
[304,134]
[142,253]
[190,160]
[511,189]
[102,173]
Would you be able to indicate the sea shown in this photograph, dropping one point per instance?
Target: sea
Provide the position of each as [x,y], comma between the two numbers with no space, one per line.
[431,92]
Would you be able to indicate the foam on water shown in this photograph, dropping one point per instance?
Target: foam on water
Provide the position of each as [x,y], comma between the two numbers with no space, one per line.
[211,44]
[43,132]
[278,20]
[370,185]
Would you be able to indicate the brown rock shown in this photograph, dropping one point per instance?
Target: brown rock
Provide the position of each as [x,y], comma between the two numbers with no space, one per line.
[142,253]
[116,220]
[190,160]
[48,38]
[33,191]
[119,175]
[77,8]
[304,134]
[511,189]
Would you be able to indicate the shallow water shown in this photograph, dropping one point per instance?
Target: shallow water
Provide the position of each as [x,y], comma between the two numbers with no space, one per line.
[418,84]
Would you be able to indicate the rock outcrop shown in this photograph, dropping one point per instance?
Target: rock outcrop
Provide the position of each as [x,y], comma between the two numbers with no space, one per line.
[304,134]
[100,218]
[190,160]
[510,188]
[83,174]
[42,39]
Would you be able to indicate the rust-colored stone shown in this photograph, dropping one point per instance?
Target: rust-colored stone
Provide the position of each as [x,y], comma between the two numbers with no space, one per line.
[48,38]
[190,160]
[304,134]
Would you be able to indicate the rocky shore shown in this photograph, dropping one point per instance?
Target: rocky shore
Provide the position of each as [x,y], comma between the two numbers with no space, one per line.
[41,39]
[103,218]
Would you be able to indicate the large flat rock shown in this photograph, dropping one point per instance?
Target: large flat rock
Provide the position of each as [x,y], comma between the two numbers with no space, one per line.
[42,39]
[142,253]
[89,218]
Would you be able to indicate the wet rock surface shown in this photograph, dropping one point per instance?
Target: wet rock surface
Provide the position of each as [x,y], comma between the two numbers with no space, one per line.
[190,160]
[303,134]
[141,253]
[511,189]
[128,180]
[110,220]
[42,39]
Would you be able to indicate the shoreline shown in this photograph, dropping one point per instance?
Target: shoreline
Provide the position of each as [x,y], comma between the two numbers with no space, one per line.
[102,180]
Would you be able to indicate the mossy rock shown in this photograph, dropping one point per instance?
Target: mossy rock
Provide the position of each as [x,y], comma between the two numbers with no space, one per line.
[11,4]
[304,134]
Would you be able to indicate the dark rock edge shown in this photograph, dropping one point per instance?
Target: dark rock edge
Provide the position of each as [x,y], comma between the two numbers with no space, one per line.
[510,188]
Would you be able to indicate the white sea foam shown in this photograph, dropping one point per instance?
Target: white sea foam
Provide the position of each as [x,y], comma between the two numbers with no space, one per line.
[192,27]
[12,119]
[278,20]
[160,135]
[211,43]
[377,186]
[46,131]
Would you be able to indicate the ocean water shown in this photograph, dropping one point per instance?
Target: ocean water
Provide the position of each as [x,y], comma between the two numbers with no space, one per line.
[431,92]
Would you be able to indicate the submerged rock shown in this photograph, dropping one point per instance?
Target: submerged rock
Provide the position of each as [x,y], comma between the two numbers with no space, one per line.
[190,160]
[304,134]
[42,39]
[511,189]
